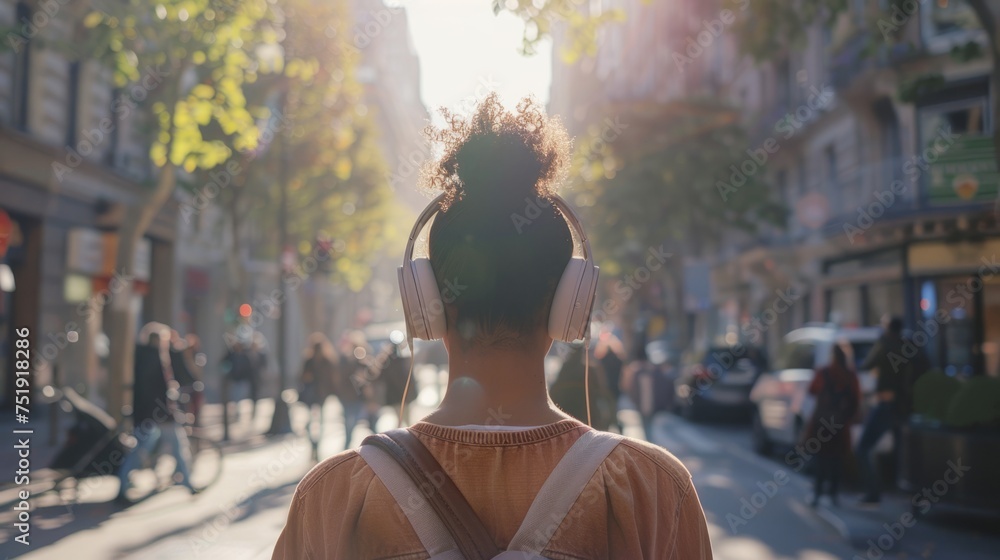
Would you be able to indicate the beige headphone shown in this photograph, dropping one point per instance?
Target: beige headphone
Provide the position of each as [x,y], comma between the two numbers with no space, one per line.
[569,315]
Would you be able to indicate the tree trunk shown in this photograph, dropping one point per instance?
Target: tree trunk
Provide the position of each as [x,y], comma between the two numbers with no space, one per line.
[123,322]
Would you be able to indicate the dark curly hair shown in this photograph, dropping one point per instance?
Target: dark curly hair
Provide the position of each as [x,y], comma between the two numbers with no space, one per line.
[499,246]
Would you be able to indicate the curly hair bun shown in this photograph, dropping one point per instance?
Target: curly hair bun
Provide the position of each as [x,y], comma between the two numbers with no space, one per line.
[495,158]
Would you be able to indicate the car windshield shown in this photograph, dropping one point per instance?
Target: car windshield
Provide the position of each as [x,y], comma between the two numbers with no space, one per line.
[797,355]
[727,358]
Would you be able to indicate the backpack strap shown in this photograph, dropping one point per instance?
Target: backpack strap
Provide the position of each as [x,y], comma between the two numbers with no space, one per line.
[561,490]
[429,485]
[433,535]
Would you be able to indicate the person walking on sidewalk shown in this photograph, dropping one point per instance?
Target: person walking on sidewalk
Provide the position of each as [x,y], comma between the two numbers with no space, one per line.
[497,466]
[316,384]
[890,369]
[838,396]
[154,410]
[351,381]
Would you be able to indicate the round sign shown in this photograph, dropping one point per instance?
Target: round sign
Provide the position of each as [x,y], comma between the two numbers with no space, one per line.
[812,210]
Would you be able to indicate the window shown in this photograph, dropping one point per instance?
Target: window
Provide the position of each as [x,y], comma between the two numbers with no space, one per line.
[73,103]
[832,179]
[782,83]
[114,135]
[803,181]
[782,180]
[947,24]
[21,74]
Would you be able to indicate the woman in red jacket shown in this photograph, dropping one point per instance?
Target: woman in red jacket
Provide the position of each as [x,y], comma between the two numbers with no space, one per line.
[828,435]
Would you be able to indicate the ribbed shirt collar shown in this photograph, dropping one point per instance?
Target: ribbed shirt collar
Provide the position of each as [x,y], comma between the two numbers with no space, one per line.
[491,438]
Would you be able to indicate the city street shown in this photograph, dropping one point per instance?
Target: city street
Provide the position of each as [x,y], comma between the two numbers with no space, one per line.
[241,516]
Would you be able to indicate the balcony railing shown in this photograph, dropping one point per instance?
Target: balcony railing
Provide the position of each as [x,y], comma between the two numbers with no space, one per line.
[863,52]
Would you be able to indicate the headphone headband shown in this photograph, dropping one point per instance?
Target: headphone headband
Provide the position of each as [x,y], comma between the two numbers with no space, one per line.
[572,220]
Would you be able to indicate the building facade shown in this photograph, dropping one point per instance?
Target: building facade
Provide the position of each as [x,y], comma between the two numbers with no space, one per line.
[71,162]
[890,190]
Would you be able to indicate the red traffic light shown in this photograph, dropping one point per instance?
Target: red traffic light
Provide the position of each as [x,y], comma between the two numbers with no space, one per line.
[245,310]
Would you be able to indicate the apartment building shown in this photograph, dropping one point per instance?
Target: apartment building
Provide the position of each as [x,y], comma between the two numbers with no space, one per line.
[890,191]
[72,161]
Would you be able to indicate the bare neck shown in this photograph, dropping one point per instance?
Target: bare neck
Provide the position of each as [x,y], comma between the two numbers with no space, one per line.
[497,387]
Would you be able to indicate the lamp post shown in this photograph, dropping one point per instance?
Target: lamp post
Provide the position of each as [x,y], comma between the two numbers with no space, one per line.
[281,422]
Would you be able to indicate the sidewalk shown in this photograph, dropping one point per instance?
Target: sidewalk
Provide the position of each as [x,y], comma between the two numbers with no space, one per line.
[893,532]
[44,448]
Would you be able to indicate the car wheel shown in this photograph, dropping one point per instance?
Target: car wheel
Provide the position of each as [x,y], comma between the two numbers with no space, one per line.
[761,443]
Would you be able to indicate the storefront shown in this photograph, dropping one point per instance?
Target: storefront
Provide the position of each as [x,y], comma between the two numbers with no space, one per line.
[90,284]
[861,289]
[958,305]
[16,265]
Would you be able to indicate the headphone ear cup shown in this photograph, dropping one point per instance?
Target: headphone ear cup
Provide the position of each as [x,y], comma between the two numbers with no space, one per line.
[573,299]
[422,305]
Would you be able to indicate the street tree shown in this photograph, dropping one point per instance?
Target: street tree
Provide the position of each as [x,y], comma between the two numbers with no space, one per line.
[203,54]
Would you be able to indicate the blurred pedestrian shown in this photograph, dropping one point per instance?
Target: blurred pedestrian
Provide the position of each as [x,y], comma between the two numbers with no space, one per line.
[838,398]
[351,382]
[890,373]
[647,381]
[396,374]
[237,370]
[316,384]
[610,352]
[568,391]
[257,359]
[154,408]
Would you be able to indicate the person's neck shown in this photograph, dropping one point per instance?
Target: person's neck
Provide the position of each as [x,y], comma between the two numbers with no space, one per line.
[496,387]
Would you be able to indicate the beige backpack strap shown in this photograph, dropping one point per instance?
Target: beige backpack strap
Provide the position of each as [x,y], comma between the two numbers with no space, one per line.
[562,489]
[426,524]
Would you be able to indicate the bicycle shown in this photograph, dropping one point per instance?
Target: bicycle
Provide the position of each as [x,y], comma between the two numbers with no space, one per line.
[96,445]
[159,468]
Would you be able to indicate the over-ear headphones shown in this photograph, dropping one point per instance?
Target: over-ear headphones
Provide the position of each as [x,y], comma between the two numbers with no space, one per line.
[569,315]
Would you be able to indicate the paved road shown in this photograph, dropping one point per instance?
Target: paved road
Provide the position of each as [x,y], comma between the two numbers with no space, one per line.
[758,508]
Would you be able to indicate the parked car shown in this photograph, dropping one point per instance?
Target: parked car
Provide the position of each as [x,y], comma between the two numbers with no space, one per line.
[718,383]
[780,399]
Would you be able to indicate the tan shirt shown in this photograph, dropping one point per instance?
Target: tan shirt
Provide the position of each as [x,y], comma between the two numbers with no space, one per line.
[640,504]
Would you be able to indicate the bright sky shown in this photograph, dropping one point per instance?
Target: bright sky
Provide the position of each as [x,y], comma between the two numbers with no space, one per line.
[466,51]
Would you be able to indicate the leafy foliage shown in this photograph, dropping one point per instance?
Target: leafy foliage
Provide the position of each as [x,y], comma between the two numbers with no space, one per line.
[200,54]
[324,149]
[657,182]
[581,27]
